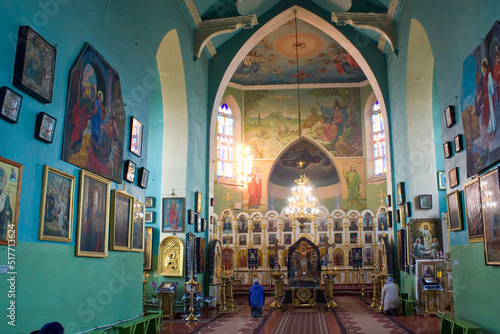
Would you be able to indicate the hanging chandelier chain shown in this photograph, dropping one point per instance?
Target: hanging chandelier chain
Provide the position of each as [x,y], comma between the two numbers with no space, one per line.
[297,67]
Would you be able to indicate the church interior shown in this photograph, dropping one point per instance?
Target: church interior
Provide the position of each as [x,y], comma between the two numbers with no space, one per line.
[168,154]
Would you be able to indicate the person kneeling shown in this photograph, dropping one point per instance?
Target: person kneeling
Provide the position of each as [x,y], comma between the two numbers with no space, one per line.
[390,297]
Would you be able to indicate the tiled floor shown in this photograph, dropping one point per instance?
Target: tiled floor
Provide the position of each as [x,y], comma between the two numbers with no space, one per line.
[239,320]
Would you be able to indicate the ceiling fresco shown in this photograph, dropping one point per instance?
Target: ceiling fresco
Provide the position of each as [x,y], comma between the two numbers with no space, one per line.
[321,60]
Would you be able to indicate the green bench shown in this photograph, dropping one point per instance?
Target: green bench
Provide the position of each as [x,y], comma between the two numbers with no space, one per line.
[454,325]
[150,323]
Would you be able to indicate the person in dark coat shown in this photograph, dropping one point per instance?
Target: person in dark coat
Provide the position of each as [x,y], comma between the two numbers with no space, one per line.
[256,298]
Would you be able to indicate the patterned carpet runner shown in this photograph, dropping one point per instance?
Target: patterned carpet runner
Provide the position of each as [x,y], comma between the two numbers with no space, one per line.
[302,323]
[355,316]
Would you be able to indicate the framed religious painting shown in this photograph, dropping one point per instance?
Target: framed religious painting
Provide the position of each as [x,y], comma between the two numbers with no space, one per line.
[10,104]
[45,127]
[200,254]
[441,180]
[449,116]
[474,211]
[197,227]
[400,243]
[400,193]
[148,248]
[135,136]
[458,143]
[425,239]
[197,202]
[137,229]
[93,215]
[402,214]
[56,206]
[425,202]
[149,202]
[149,216]
[143,177]
[173,214]
[95,117]
[454,211]
[122,206]
[130,168]
[447,149]
[203,224]
[191,217]
[453,177]
[397,215]
[490,201]
[34,65]
[10,194]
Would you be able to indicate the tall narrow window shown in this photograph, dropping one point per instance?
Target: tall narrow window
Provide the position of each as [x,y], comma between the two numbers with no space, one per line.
[225,142]
[378,136]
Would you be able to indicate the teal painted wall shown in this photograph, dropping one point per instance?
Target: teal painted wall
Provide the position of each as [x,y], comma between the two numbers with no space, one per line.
[51,282]
[453,32]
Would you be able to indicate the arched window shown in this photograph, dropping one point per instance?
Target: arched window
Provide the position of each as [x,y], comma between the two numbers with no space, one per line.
[225,142]
[378,141]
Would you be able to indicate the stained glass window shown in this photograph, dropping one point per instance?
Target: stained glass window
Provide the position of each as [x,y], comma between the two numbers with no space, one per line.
[224,142]
[378,136]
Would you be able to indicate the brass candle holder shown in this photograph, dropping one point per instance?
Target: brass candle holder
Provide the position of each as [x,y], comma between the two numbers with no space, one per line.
[278,287]
[329,281]
[191,316]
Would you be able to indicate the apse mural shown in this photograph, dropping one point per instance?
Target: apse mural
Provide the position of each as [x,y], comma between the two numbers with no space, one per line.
[321,59]
[329,116]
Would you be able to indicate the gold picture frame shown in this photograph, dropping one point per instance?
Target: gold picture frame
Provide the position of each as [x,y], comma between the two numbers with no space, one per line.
[56,206]
[122,206]
[93,215]
[148,247]
[171,257]
[10,193]
[137,228]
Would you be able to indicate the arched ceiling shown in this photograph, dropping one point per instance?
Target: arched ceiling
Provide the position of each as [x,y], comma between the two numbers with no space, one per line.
[321,59]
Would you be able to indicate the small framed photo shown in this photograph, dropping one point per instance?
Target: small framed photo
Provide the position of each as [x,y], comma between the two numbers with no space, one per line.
[129,171]
[191,217]
[400,193]
[402,213]
[56,208]
[143,177]
[408,209]
[150,202]
[45,127]
[425,202]
[459,143]
[149,217]
[453,177]
[34,65]
[447,149]
[137,228]
[454,211]
[441,176]
[11,104]
[397,214]
[135,136]
[197,202]
[203,224]
[449,115]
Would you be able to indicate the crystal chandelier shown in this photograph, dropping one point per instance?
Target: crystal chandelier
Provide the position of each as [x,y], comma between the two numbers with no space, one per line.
[302,201]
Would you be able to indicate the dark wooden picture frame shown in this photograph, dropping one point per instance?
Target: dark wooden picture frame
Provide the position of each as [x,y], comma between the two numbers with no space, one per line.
[490,201]
[56,206]
[135,136]
[45,127]
[408,209]
[198,223]
[130,168]
[34,75]
[143,177]
[191,217]
[454,204]
[474,211]
[149,202]
[458,140]
[149,217]
[447,149]
[425,202]
[203,224]
[453,177]
[449,114]
[122,207]
[400,193]
[10,103]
